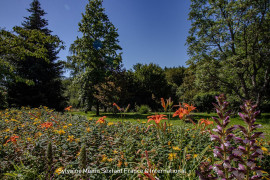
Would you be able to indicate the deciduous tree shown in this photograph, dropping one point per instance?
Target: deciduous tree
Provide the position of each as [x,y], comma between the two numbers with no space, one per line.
[229,43]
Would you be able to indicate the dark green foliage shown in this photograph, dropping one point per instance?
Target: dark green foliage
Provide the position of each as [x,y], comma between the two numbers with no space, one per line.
[45,74]
[83,158]
[174,77]
[151,84]
[49,154]
[204,101]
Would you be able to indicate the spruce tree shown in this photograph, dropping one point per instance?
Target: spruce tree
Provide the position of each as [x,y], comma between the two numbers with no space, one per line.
[94,55]
[44,73]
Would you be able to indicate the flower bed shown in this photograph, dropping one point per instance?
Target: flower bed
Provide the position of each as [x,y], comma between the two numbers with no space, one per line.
[40,144]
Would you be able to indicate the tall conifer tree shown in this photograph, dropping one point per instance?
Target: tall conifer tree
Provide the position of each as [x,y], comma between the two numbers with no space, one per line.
[44,73]
[95,54]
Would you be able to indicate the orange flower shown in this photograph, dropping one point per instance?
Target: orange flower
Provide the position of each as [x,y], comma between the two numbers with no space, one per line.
[181,112]
[101,120]
[169,103]
[190,107]
[13,139]
[163,104]
[157,118]
[46,125]
[206,122]
[68,108]
[114,104]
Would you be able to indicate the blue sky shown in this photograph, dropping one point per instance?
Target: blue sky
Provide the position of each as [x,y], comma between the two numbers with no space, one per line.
[149,30]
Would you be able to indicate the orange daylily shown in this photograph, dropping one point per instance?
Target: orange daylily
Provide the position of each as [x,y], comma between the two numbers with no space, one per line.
[206,122]
[12,139]
[114,104]
[68,108]
[101,120]
[163,104]
[46,125]
[181,112]
[169,103]
[157,118]
[190,107]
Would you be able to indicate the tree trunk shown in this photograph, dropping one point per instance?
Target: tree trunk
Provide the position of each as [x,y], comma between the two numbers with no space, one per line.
[97,109]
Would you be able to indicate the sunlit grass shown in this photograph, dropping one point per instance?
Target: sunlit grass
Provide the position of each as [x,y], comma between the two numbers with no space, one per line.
[264,119]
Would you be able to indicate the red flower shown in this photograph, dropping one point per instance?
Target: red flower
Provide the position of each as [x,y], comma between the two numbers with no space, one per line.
[181,112]
[190,107]
[46,125]
[13,139]
[206,122]
[156,118]
[101,120]
[114,104]
[68,108]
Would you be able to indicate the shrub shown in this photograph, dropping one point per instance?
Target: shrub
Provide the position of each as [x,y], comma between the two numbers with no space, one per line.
[143,109]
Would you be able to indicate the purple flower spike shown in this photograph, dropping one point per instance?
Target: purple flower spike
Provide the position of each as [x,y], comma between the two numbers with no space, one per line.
[244,153]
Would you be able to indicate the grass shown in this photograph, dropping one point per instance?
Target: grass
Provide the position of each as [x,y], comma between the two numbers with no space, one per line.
[264,119]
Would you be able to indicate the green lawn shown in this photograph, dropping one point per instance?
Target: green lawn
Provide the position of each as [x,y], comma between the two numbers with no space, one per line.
[264,119]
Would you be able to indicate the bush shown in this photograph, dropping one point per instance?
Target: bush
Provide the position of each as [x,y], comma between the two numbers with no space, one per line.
[143,109]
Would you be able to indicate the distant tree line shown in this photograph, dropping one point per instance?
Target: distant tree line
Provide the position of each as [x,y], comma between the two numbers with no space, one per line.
[228,44]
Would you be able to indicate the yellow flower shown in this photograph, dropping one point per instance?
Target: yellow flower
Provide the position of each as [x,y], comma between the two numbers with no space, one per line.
[65,127]
[110,159]
[38,134]
[70,138]
[119,163]
[7,130]
[90,119]
[104,158]
[59,170]
[195,155]
[14,120]
[61,131]
[169,143]
[110,123]
[115,152]
[69,124]
[172,156]
[265,150]
[88,129]
[28,139]
[143,122]
[176,148]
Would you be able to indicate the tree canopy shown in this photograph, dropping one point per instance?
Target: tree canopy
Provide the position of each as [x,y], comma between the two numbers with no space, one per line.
[229,43]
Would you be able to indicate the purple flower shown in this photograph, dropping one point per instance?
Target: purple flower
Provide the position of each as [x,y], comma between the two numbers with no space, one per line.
[237,152]
[215,138]
[227,164]
[238,174]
